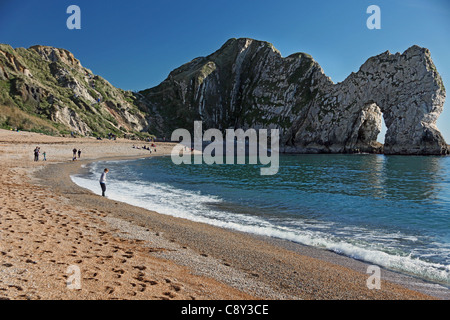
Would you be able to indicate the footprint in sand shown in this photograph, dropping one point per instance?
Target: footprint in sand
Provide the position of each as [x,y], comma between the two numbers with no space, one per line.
[170,294]
[140,268]
[119,271]
[142,287]
[109,290]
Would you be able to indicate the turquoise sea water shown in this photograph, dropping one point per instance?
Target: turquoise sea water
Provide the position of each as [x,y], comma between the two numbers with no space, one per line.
[392,211]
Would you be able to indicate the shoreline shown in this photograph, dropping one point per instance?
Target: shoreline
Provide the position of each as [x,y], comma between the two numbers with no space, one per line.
[187,259]
[322,255]
[49,243]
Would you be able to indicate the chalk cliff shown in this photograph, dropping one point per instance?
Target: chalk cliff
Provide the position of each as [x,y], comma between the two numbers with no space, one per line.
[248,84]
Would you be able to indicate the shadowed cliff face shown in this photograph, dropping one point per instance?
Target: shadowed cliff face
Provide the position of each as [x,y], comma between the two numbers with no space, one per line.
[248,84]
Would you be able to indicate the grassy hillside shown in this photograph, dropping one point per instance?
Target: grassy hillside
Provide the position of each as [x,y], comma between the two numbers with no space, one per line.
[46,89]
[13,118]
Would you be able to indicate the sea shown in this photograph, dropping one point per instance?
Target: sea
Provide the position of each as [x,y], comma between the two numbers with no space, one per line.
[390,211]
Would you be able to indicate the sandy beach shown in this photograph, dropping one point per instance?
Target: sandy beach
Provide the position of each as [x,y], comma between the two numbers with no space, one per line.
[49,226]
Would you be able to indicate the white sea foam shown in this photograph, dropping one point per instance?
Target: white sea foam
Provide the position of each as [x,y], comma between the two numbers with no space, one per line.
[166,199]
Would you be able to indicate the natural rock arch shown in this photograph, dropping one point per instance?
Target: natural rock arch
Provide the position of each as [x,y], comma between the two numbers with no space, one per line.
[403,88]
[369,129]
[411,98]
[248,84]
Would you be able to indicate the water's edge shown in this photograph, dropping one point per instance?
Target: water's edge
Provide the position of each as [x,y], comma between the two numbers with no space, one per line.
[405,278]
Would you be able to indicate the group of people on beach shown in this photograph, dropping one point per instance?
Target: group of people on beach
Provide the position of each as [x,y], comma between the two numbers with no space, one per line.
[75,153]
[112,136]
[37,152]
[151,148]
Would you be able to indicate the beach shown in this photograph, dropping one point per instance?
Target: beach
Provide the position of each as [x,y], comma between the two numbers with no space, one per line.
[49,226]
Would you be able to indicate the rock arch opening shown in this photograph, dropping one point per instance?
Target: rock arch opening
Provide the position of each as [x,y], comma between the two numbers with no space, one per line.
[382,135]
[368,128]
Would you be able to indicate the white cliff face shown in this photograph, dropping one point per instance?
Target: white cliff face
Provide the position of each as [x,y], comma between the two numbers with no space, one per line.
[252,85]
[408,91]
[71,119]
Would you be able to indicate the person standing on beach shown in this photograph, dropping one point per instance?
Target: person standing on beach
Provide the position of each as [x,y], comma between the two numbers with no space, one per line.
[74,153]
[79,153]
[36,154]
[103,181]
[45,155]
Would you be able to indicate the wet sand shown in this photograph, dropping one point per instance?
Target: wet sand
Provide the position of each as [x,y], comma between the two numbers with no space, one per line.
[124,252]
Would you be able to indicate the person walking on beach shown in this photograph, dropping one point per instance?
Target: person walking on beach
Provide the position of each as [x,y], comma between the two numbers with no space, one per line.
[79,153]
[74,153]
[45,155]
[103,181]
[36,154]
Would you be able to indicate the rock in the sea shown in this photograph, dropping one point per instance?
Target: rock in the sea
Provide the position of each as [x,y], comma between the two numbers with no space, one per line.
[248,84]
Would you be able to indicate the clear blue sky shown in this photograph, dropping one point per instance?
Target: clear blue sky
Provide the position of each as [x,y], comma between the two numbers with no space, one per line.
[135,44]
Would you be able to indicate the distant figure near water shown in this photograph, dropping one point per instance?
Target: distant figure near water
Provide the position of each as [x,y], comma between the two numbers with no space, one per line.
[103,181]
[79,153]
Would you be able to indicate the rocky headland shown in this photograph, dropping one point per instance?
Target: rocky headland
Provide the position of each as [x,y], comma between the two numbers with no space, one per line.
[245,84]
[248,84]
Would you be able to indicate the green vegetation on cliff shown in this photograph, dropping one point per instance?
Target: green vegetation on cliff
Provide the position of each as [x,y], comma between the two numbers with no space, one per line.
[49,84]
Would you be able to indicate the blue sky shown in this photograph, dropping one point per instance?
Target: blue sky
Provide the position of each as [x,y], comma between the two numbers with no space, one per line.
[135,44]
